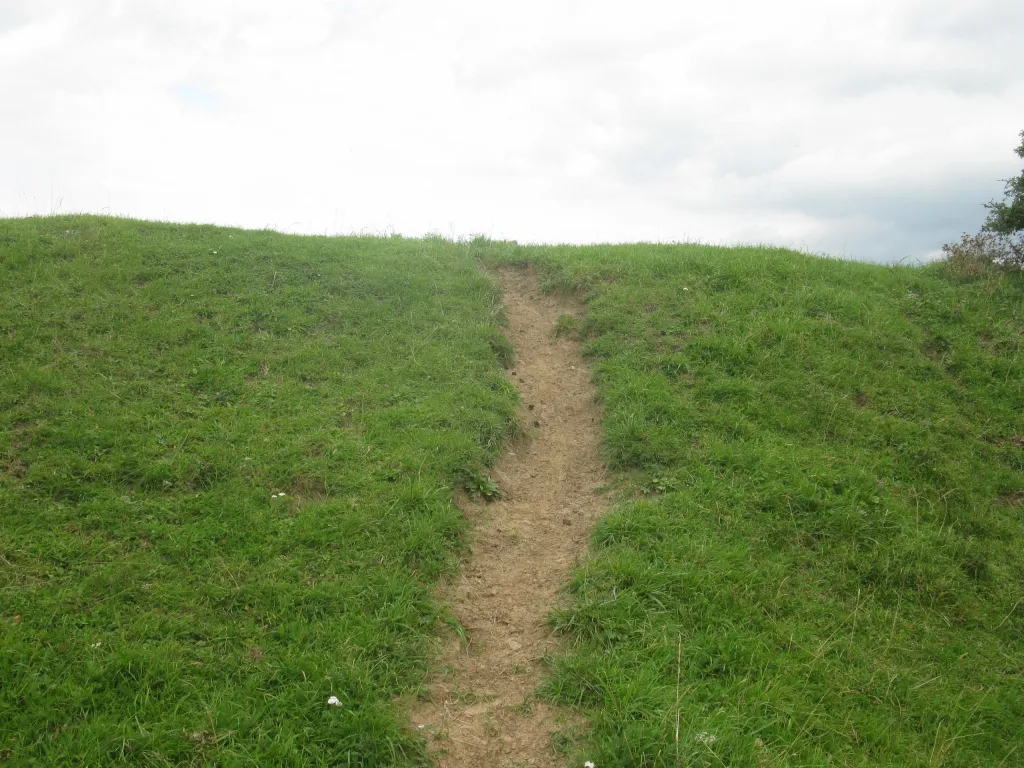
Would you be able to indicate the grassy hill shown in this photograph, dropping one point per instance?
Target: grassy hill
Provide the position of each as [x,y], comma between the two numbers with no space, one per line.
[819,561]
[161,387]
[816,558]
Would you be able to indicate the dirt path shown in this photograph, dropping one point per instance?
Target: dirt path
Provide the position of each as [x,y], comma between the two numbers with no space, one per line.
[481,710]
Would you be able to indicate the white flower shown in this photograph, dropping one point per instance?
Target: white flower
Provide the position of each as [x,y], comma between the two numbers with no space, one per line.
[706,738]
[334,701]
[588,764]
[96,645]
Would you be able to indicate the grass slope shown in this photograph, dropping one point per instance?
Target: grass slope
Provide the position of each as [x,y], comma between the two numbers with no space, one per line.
[160,604]
[820,560]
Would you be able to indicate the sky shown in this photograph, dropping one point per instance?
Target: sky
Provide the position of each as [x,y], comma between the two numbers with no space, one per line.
[872,130]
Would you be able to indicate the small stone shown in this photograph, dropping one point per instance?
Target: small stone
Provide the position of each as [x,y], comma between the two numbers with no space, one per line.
[566,521]
[531,407]
[536,423]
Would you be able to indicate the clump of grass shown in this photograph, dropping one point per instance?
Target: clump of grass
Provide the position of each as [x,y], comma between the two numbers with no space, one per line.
[566,326]
[501,346]
[226,466]
[825,567]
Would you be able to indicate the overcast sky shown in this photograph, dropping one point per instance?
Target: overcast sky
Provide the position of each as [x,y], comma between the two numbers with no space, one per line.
[871,129]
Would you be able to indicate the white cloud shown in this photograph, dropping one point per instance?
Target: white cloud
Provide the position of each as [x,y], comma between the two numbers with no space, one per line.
[875,129]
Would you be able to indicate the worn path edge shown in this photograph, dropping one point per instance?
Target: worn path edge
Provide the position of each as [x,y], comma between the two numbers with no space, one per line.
[480,707]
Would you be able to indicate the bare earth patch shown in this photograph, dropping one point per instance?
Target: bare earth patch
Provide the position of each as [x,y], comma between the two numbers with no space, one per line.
[481,709]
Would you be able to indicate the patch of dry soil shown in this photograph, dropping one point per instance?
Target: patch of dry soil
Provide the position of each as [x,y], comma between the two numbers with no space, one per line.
[481,710]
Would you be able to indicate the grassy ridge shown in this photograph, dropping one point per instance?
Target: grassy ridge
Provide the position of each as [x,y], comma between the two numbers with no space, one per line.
[160,604]
[817,559]
[821,556]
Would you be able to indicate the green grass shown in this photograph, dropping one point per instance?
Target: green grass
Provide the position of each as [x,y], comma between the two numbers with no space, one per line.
[160,385]
[818,556]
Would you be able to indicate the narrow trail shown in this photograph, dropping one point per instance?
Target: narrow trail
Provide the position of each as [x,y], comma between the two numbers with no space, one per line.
[481,709]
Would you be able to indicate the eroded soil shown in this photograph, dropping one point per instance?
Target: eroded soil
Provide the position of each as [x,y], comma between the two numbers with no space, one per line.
[481,709]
